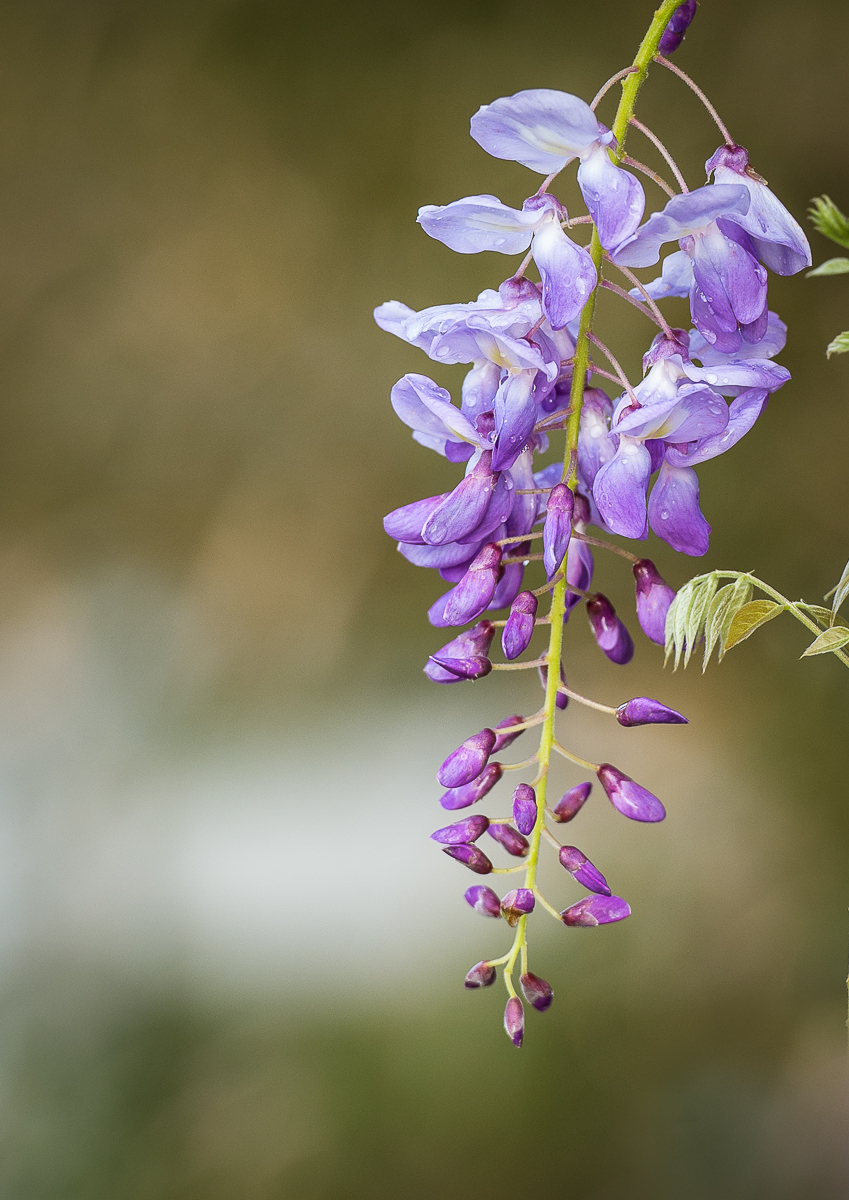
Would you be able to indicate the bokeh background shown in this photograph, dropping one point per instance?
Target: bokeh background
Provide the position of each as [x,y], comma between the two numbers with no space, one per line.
[230,961]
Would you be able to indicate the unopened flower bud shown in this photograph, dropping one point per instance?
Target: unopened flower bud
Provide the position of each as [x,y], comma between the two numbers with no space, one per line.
[467,830]
[654,597]
[628,797]
[673,34]
[579,566]
[470,793]
[557,529]
[537,991]
[481,975]
[596,910]
[572,803]
[524,808]
[612,636]
[471,857]
[561,700]
[467,761]
[503,735]
[513,291]
[582,870]
[643,711]
[474,667]
[475,590]
[514,1021]
[520,625]
[517,903]
[514,843]
[483,900]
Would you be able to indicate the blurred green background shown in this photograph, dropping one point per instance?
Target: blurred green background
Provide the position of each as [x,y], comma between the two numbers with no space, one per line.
[230,962]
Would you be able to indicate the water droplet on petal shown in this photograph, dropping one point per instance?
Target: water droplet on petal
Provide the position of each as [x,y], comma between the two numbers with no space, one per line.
[664,516]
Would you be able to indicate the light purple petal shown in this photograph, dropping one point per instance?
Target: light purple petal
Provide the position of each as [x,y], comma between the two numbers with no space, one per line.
[478,223]
[696,412]
[427,409]
[595,447]
[437,556]
[515,416]
[463,509]
[731,378]
[674,510]
[539,128]
[682,215]
[497,511]
[405,524]
[620,489]
[675,279]
[722,267]
[779,240]
[479,388]
[742,414]
[614,198]
[476,338]
[568,274]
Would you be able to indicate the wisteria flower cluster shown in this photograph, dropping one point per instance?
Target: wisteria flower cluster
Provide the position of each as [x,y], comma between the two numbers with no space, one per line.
[527,346]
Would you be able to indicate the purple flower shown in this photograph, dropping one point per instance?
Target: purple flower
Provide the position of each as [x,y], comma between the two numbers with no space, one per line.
[467,761]
[473,593]
[544,130]
[467,830]
[482,974]
[628,797]
[520,625]
[483,900]
[612,636]
[582,870]
[517,904]
[596,910]
[536,991]
[471,857]
[474,667]
[557,530]
[579,572]
[572,802]
[772,343]
[643,711]
[679,22]
[524,808]
[514,843]
[654,597]
[469,646]
[503,735]
[470,793]
[514,1021]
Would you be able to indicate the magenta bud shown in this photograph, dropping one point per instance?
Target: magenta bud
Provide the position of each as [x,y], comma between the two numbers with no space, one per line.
[679,22]
[474,667]
[481,975]
[537,991]
[612,636]
[582,870]
[507,837]
[596,910]
[524,808]
[644,711]
[471,643]
[471,857]
[628,797]
[654,597]
[469,793]
[468,830]
[561,700]
[513,291]
[483,900]
[517,904]
[520,625]
[557,529]
[503,736]
[475,590]
[514,1021]
[572,803]
[467,761]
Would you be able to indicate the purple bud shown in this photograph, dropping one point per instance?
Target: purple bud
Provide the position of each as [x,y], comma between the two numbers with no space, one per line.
[467,761]
[470,857]
[673,34]
[612,636]
[557,529]
[514,1021]
[643,711]
[481,975]
[468,830]
[507,837]
[520,625]
[517,904]
[474,667]
[469,793]
[561,700]
[405,524]
[654,597]
[581,869]
[513,291]
[475,590]
[572,803]
[628,797]
[524,808]
[483,900]
[537,991]
[503,737]
[596,910]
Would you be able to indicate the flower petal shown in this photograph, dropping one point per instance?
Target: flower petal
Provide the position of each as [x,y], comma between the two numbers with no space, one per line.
[695,412]
[568,274]
[515,416]
[742,414]
[674,510]
[620,489]
[615,199]
[772,343]
[539,128]
[675,279]
[726,272]
[427,408]
[682,215]
[478,223]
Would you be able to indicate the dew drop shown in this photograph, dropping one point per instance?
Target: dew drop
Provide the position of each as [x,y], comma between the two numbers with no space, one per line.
[664,516]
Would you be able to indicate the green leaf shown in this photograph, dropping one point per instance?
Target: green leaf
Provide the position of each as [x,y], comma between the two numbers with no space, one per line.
[713,620]
[831,639]
[824,616]
[741,595]
[696,614]
[676,623]
[829,220]
[842,590]
[840,345]
[749,618]
[832,266]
